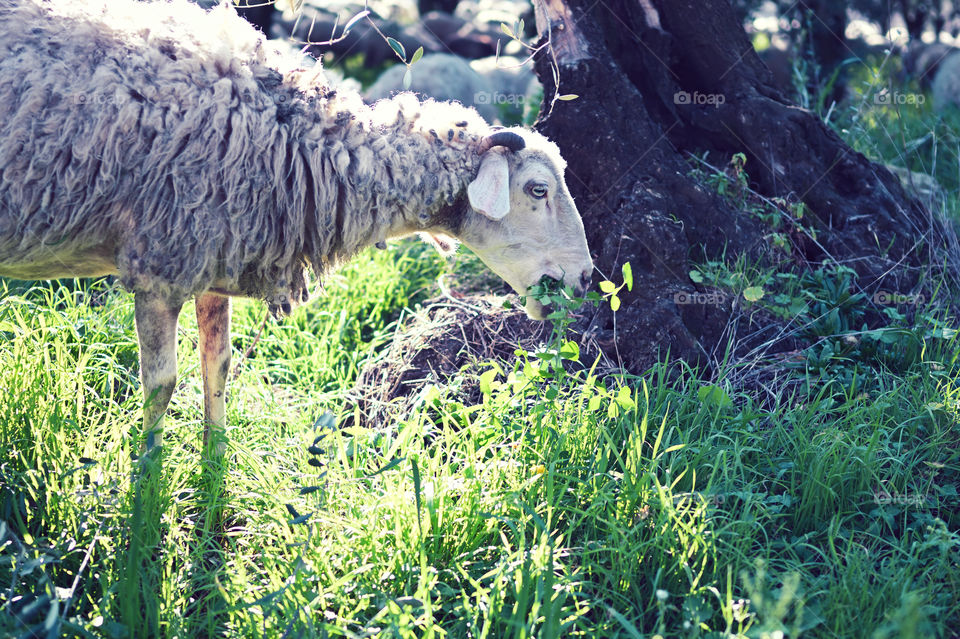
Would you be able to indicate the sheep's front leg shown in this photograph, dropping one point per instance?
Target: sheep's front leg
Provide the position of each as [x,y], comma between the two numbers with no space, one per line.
[156,319]
[213,319]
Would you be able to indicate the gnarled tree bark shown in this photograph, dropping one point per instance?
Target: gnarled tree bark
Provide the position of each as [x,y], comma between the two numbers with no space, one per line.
[659,80]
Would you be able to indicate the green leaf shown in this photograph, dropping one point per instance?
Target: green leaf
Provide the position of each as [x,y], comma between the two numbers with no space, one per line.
[416,491]
[594,402]
[614,303]
[431,395]
[326,421]
[613,410]
[607,286]
[407,78]
[696,276]
[354,20]
[625,398]
[507,30]
[267,598]
[393,464]
[570,351]
[531,370]
[416,55]
[568,96]
[628,627]
[753,294]
[52,619]
[891,336]
[627,271]
[486,381]
[396,46]
[714,395]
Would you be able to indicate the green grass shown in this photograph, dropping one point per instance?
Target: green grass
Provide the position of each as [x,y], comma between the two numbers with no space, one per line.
[562,504]
[814,496]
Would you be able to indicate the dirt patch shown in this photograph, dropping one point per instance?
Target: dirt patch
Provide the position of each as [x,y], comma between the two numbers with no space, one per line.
[436,343]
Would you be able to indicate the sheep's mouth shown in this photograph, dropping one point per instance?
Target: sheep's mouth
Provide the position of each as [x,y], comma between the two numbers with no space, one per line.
[535,308]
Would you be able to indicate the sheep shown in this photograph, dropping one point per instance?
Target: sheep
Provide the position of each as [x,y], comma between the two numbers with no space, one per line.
[935,66]
[439,75]
[173,147]
[922,60]
[493,86]
[516,90]
[508,74]
[946,83]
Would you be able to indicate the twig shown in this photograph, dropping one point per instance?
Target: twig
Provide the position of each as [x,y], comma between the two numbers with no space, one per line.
[246,354]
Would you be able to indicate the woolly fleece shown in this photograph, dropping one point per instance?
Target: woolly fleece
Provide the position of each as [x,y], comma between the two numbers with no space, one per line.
[177,144]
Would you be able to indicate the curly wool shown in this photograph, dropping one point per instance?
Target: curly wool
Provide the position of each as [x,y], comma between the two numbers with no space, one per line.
[200,154]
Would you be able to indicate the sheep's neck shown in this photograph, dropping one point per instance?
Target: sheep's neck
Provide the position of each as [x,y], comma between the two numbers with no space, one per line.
[375,218]
[394,169]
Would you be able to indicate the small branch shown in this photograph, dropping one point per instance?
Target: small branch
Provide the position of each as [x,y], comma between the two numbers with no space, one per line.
[445,291]
[246,354]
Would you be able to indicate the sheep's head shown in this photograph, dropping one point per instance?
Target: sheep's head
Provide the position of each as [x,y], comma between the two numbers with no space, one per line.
[523,223]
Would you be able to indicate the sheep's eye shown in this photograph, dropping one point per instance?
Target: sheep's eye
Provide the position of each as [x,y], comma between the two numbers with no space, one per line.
[537,190]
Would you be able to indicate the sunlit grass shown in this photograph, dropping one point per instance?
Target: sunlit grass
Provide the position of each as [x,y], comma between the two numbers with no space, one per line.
[560,505]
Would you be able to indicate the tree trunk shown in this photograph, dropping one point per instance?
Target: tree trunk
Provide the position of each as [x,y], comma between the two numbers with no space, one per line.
[658,81]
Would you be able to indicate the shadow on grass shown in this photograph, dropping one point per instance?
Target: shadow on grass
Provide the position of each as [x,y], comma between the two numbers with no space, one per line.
[143,565]
[140,562]
[206,614]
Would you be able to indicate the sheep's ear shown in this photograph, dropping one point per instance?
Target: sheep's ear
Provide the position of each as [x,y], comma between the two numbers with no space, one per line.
[445,244]
[489,193]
